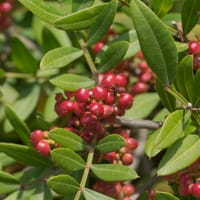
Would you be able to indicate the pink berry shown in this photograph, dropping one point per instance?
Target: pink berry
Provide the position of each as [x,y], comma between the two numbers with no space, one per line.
[97,47]
[5,7]
[139,87]
[127,158]
[194,47]
[145,77]
[125,100]
[43,148]
[121,80]
[128,189]
[110,156]
[96,108]
[36,136]
[196,190]
[109,80]
[82,95]
[131,144]
[99,93]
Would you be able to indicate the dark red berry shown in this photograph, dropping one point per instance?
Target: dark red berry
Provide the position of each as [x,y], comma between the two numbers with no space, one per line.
[69,94]
[110,156]
[96,108]
[110,98]
[82,95]
[121,80]
[139,87]
[43,148]
[127,158]
[107,111]
[128,189]
[109,80]
[67,106]
[5,7]
[99,93]
[125,100]
[59,97]
[36,136]
[194,47]
[97,47]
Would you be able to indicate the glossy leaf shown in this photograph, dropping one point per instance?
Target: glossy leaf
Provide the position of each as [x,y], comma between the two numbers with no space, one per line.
[22,57]
[20,127]
[112,56]
[68,139]
[196,90]
[67,159]
[63,184]
[161,7]
[24,154]
[143,105]
[172,129]
[81,4]
[81,19]
[102,23]
[157,46]
[42,9]
[92,195]
[60,57]
[166,98]
[180,155]
[185,76]
[189,15]
[113,172]
[72,82]
[165,196]
[110,143]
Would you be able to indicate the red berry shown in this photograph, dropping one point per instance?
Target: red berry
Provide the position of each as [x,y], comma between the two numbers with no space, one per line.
[143,65]
[99,93]
[96,108]
[110,98]
[128,189]
[107,111]
[43,148]
[36,136]
[145,77]
[194,47]
[125,100]
[127,158]
[82,95]
[97,47]
[109,80]
[131,144]
[69,94]
[121,80]
[110,156]
[5,7]
[119,111]
[67,106]
[196,190]
[59,97]
[139,87]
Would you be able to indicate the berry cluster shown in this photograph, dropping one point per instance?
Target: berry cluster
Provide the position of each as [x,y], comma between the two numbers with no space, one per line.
[115,189]
[194,49]
[40,141]
[125,154]
[187,180]
[89,110]
[5,8]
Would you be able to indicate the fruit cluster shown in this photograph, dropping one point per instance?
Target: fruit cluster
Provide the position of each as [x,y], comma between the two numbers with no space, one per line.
[116,190]
[187,180]
[125,154]
[5,9]
[89,110]
[194,49]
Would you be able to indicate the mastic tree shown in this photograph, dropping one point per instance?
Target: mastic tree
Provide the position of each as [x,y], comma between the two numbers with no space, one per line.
[100,99]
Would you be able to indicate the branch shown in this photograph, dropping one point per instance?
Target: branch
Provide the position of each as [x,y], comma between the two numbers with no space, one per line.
[137,123]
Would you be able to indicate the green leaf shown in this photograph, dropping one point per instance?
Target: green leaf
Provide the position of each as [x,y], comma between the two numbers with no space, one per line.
[180,155]
[161,7]
[113,172]
[20,127]
[143,105]
[92,195]
[8,188]
[166,98]
[22,57]
[68,139]
[110,143]
[112,56]
[189,15]
[102,23]
[42,9]
[157,46]
[67,159]
[185,76]
[60,57]
[173,128]
[7,178]
[81,4]
[63,184]
[196,90]
[24,154]
[165,196]
[81,19]
[72,82]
